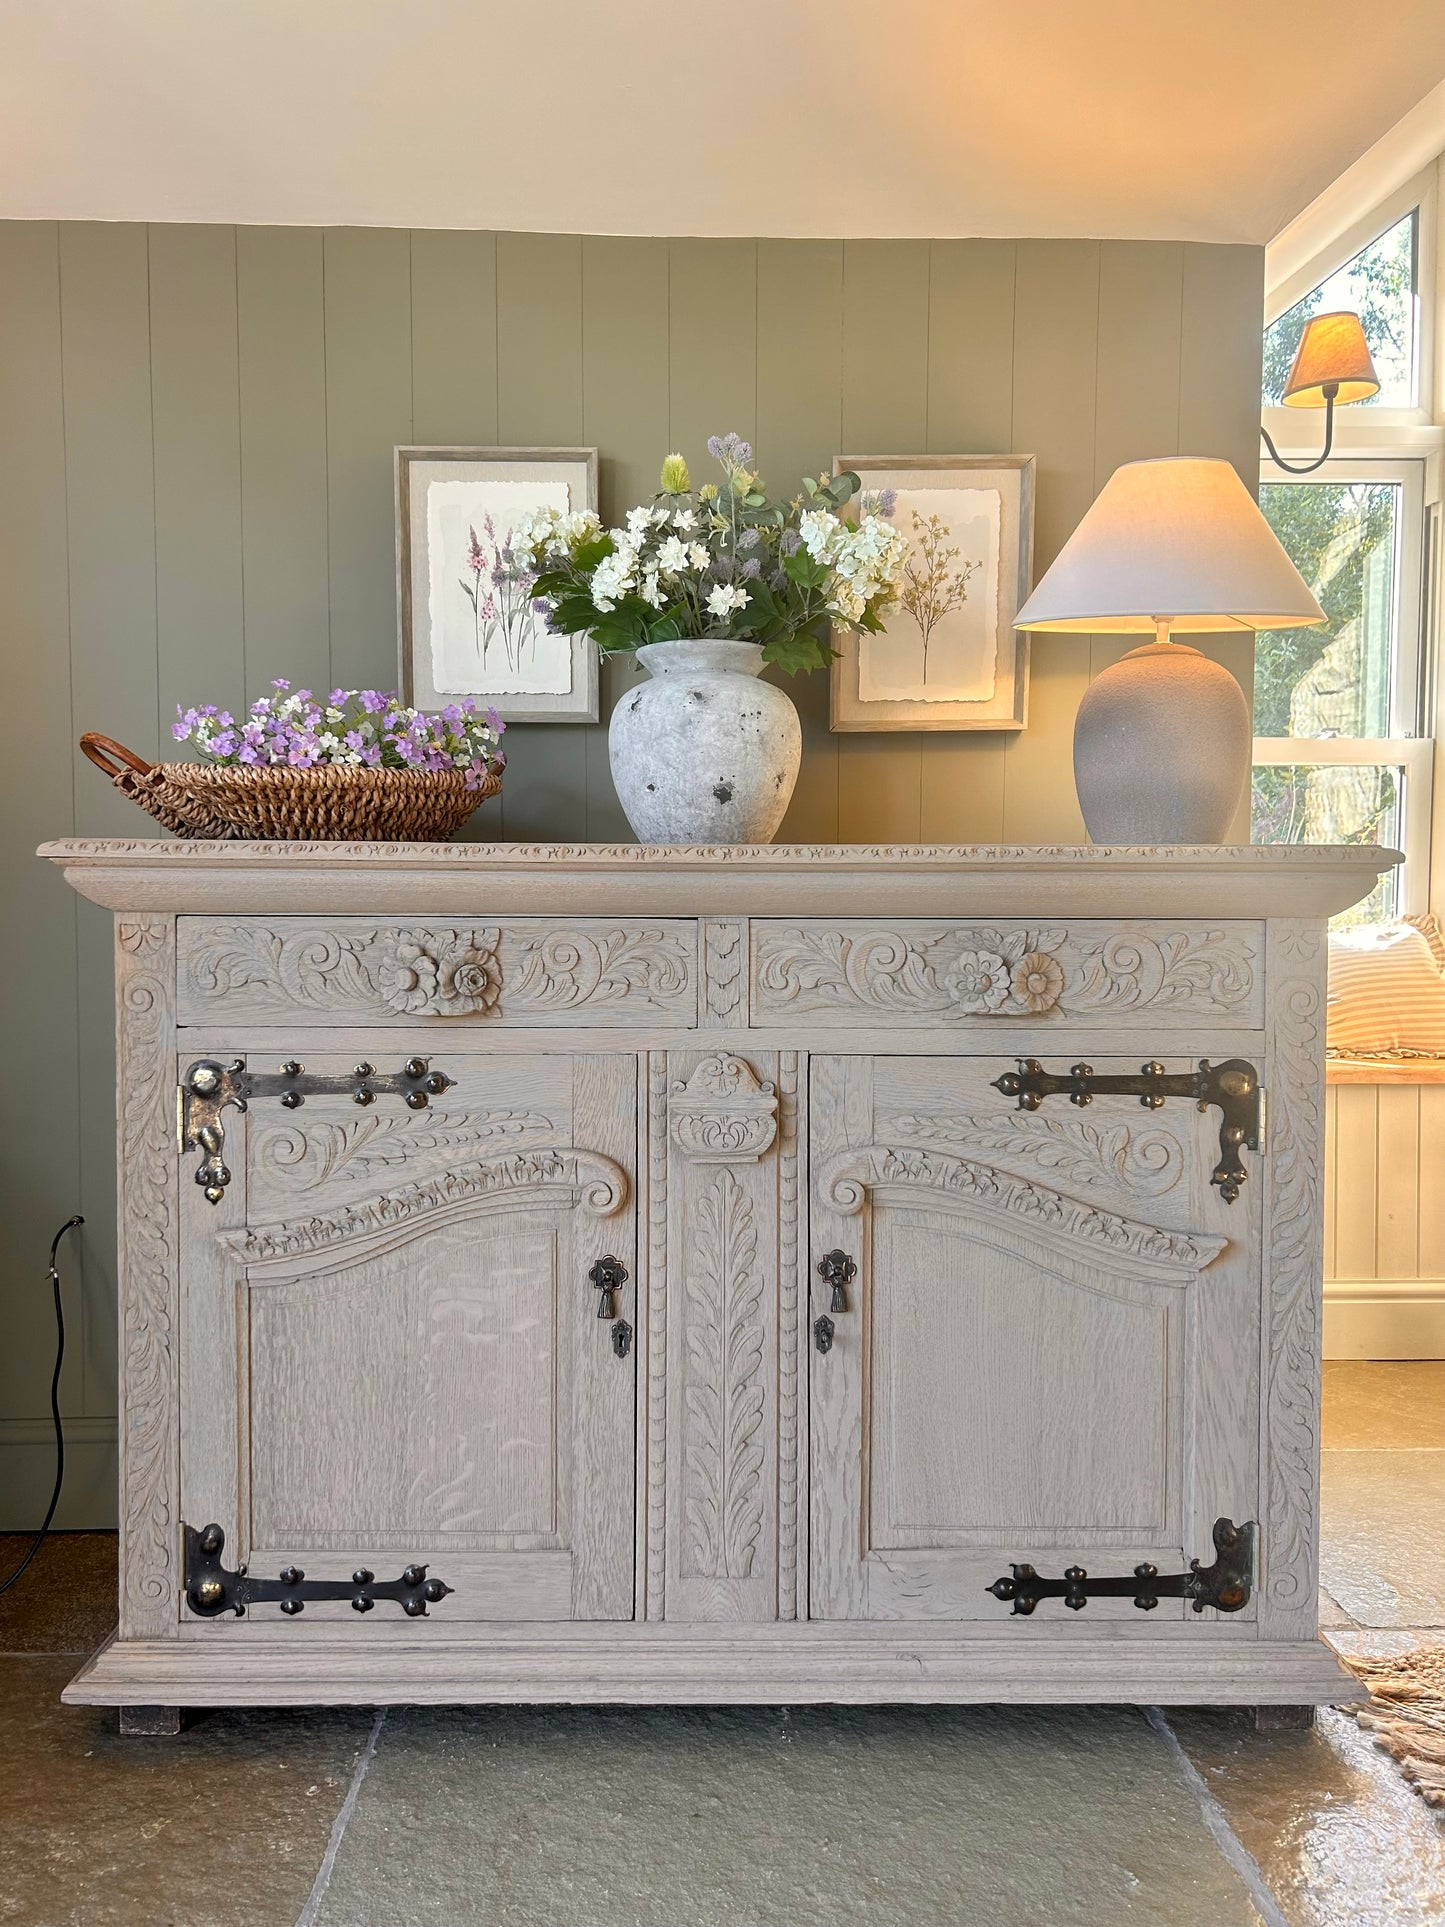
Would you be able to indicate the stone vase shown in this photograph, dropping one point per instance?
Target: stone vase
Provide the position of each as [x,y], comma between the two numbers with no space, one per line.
[704,752]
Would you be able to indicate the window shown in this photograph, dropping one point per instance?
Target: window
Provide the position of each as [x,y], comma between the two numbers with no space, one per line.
[1340,757]
[1381,285]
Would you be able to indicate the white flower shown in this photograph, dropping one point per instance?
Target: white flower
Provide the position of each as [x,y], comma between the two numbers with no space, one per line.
[638,522]
[684,519]
[672,556]
[726,597]
[612,578]
[651,593]
[698,556]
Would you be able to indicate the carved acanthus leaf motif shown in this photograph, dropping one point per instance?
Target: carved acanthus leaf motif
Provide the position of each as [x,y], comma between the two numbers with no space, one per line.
[724,1113]
[1145,1162]
[723,1456]
[568,968]
[304,1158]
[846,1181]
[564,1176]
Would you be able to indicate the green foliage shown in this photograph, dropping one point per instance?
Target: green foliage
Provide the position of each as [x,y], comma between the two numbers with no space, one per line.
[1329,530]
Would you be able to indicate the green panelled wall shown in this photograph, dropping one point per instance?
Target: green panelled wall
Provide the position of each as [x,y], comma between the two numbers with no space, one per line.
[196,427]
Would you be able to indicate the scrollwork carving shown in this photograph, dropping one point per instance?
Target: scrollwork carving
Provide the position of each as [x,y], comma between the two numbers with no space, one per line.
[303,1158]
[149,1579]
[564,1177]
[846,1181]
[723,1113]
[568,968]
[987,971]
[1145,1162]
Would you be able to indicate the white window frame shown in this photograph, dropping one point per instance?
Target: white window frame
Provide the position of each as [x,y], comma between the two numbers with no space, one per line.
[1361,428]
[1406,748]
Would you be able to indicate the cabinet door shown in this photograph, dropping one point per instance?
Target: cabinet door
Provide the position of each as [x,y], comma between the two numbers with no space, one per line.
[393,1352]
[1048,1354]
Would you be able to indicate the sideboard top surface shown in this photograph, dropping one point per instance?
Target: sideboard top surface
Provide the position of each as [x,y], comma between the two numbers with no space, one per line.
[780,879]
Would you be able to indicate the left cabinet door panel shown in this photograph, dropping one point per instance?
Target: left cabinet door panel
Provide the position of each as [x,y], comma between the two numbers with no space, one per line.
[392,1351]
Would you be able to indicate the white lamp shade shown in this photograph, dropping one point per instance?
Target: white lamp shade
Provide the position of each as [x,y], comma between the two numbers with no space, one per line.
[1180,539]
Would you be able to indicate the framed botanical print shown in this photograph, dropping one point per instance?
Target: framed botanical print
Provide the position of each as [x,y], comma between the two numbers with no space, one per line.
[948,656]
[466,625]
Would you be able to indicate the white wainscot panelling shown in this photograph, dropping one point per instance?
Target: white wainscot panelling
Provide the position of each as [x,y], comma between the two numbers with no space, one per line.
[1385,1221]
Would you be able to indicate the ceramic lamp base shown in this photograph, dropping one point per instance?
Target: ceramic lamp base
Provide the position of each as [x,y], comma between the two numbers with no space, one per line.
[1161,748]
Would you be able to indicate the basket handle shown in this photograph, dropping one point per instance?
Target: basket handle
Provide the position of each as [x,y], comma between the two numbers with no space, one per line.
[101,750]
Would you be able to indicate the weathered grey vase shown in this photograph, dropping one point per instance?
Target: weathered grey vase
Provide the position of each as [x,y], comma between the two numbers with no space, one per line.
[705,752]
[1161,748]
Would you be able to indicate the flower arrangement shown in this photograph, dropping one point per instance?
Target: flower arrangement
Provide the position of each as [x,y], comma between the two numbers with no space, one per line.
[363,728]
[721,561]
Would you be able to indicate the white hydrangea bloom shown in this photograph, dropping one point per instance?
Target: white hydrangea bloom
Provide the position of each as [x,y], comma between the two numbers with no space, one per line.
[672,556]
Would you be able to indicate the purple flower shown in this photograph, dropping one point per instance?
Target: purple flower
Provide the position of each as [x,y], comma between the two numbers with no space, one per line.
[372,701]
[475,557]
[751,569]
[791,542]
[887,502]
[279,682]
[180,730]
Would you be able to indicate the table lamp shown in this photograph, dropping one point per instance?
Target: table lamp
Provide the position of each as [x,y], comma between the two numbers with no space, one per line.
[1162,742]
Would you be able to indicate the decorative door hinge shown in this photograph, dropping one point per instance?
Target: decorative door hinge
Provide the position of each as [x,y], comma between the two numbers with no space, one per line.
[212,1590]
[1232,1086]
[1226,1585]
[208,1087]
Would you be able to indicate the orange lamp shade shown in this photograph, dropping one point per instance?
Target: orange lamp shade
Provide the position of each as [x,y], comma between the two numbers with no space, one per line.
[1332,350]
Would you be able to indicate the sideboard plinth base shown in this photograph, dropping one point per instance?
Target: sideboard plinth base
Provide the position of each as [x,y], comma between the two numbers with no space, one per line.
[706,1665]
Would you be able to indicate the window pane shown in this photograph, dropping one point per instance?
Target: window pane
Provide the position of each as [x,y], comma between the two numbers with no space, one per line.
[1337,803]
[1379,286]
[1334,681]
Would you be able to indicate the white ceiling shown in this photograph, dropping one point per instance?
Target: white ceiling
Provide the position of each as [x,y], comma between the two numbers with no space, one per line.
[1155,118]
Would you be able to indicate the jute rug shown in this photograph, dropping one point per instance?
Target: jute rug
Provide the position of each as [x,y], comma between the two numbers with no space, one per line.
[1406,1713]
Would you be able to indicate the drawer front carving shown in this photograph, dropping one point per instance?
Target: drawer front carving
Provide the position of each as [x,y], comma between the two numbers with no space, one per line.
[529,971]
[917,973]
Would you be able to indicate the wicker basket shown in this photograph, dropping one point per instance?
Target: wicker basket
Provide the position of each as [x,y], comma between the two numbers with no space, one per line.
[334,803]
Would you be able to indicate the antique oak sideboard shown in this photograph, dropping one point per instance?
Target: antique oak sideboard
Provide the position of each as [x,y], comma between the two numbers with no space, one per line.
[617,1274]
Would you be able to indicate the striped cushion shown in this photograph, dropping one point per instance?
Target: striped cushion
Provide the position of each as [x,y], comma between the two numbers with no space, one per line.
[1428,925]
[1386,992]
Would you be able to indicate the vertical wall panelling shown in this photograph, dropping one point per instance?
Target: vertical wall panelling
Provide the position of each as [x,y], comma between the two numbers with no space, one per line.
[624,416]
[453,338]
[196,445]
[1056,316]
[281,322]
[885,412]
[799,430]
[712,359]
[110,514]
[196,409]
[539,405]
[970,412]
[1385,1221]
[368,411]
[37,932]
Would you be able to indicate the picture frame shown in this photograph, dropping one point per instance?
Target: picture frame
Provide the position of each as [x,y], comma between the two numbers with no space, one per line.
[948,656]
[460,631]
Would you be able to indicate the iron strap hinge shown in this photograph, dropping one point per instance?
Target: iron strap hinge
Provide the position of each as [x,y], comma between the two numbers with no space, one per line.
[1226,1585]
[209,1087]
[211,1590]
[1233,1087]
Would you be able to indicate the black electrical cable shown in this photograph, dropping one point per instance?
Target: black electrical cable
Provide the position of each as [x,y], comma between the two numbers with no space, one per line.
[71,1224]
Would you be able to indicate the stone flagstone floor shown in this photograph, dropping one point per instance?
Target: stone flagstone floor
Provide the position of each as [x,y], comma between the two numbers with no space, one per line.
[744,1818]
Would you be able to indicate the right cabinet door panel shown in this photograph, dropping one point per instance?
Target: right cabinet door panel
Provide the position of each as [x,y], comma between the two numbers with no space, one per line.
[1047,1354]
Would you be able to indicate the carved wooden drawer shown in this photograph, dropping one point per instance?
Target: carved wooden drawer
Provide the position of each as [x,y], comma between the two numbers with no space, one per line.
[913,973]
[530,971]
